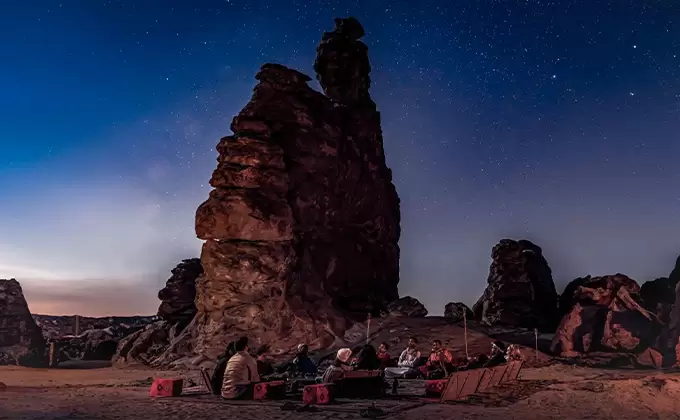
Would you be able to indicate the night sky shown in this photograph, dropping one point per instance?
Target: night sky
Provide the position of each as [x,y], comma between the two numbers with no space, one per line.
[554,121]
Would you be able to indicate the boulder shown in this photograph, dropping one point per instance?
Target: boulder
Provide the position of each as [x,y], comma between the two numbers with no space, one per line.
[520,290]
[455,311]
[146,346]
[301,230]
[21,340]
[606,316]
[407,306]
[649,359]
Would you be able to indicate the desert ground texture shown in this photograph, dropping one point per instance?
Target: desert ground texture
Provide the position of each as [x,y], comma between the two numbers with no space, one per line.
[552,392]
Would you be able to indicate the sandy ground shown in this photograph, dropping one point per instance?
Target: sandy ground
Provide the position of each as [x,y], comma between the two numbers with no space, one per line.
[554,392]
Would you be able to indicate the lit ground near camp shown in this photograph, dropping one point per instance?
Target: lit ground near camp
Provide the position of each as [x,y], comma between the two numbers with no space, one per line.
[554,392]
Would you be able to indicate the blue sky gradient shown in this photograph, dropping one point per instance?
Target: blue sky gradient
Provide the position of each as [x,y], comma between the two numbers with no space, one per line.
[558,122]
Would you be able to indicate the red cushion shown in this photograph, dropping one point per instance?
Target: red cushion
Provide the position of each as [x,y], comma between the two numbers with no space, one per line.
[166,387]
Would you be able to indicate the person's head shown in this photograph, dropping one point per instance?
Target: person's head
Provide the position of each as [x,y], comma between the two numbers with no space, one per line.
[343,355]
[383,347]
[241,344]
[436,345]
[302,350]
[263,350]
[412,343]
[368,350]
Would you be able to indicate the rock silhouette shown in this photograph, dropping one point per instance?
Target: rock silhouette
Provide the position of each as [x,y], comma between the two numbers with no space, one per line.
[520,291]
[302,227]
[21,340]
[455,311]
[178,295]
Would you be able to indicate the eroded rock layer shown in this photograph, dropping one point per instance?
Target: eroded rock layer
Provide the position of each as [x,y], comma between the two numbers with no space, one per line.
[302,226]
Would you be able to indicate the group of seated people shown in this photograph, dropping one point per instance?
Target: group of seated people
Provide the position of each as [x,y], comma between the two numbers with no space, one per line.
[237,370]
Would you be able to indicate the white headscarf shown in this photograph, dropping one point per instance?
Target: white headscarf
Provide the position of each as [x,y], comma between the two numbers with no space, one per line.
[344,355]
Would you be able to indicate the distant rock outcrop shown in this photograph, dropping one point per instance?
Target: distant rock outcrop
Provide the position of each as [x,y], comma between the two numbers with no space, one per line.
[455,311]
[520,291]
[604,315]
[302,227]
[21,340]
[156,343]
[407,306]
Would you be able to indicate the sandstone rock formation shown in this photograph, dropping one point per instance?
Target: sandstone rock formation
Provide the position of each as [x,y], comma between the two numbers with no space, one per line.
[178,295]
[21,341]
[520,291]
[302,227]
[605,316]
[407,306]
[160,343]
[455,311]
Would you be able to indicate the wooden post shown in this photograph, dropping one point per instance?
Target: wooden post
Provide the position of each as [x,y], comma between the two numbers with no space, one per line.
[52,354]
[368,328]
[536,340]
[77,326]
[467,355]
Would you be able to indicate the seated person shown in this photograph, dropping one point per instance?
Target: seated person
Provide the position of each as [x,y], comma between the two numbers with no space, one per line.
[367,359]
[303,364]
[217,377]
[439,362]
[240,374]
[408,360]
[339,365]
[264,366]
[513,353]
[497,356]
[383,357]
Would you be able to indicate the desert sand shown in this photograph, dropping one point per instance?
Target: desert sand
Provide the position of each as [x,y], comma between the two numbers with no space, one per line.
[553,392]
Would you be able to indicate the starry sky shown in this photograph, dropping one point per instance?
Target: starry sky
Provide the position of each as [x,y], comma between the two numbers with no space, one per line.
[554,121]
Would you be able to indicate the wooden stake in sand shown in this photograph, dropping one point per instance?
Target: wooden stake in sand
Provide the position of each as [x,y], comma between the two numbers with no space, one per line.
[52,354]
[467,355]
[536,340]
[368,327]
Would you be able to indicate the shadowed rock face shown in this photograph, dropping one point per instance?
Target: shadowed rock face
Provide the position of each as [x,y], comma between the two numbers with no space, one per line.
[520,291]
[302,227]
[178,295]
[21,340]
